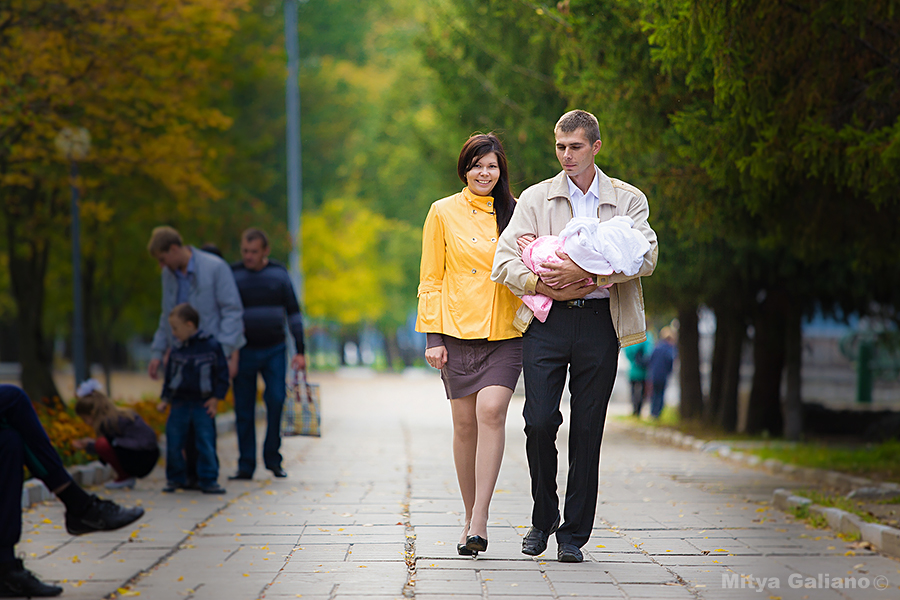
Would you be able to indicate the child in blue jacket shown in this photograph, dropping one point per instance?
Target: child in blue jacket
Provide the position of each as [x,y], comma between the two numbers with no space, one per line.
[196,380]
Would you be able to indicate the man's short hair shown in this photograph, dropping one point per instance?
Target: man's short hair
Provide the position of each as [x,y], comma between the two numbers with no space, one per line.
[579,119]
[253,233]
[163,238]
[187,313]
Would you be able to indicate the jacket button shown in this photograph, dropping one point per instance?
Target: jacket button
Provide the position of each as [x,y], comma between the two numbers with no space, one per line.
[494,239]
[489,203]
[474,211]
[474,240]
[473,270]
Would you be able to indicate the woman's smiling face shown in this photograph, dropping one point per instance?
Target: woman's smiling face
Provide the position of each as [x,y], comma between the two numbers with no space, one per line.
[483,175]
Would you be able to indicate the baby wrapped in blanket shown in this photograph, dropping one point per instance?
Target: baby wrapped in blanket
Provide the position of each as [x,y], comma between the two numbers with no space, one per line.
[597,247]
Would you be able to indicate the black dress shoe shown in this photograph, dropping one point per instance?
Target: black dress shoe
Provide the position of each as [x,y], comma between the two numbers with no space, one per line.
[535,541]
[240,475]
[279,472]
[476,543]
[18,582]
[102,515]
[463,551]
[569,553]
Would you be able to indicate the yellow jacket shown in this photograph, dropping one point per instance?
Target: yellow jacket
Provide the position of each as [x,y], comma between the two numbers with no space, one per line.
[456,294]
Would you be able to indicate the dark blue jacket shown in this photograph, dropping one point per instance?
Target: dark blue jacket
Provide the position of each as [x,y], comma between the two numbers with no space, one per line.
[197,370]
[661,362]
[268,298]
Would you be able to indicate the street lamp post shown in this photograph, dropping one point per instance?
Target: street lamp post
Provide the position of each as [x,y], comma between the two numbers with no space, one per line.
[294,169]
[74,144]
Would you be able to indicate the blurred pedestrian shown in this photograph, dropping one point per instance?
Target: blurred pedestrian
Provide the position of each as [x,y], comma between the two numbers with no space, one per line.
[269,301]
[124,440]
[469,324]
[196,381]
[587,324]
[24,443]
[638,356]
[205,281]
[659,368]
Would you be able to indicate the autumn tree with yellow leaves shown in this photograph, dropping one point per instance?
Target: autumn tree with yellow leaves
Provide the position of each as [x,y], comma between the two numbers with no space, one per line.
[133,75]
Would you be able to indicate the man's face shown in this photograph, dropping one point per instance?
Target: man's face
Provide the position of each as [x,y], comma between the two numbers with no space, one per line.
[253,255]
[170,258]
[182,330]
[575,152]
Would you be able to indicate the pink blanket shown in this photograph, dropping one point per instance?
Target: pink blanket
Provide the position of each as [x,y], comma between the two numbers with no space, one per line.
[541,250]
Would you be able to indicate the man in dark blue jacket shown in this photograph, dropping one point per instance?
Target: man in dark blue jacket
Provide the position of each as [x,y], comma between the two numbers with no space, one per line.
[268,298]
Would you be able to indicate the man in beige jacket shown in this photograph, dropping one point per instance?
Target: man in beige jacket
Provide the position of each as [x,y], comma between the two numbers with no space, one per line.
[587,325]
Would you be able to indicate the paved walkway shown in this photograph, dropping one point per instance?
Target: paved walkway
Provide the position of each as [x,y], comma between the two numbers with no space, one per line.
[371,510]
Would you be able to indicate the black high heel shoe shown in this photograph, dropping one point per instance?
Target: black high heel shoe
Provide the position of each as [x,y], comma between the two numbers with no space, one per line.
[476,544]
[463,551]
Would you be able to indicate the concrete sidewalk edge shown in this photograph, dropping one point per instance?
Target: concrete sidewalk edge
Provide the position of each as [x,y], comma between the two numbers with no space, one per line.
[96,473]
[883,537]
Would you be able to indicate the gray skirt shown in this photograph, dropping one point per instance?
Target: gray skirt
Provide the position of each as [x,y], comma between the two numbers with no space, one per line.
[476,364]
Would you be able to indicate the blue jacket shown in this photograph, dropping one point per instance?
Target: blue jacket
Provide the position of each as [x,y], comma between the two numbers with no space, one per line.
[213,294]
[197,370]
[268,298]
[661,362]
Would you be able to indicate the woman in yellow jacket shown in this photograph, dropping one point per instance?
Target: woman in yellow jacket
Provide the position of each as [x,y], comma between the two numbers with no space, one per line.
[468,319]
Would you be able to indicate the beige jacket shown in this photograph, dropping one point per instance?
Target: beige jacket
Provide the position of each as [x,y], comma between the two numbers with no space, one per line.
[544,209]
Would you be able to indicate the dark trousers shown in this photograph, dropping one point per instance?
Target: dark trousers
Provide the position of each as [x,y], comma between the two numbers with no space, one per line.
[181,416]
[23,441]
[272,364]
[584,342]
[638,392]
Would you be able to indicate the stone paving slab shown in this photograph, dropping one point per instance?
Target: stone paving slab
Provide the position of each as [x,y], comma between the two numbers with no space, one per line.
[377,495]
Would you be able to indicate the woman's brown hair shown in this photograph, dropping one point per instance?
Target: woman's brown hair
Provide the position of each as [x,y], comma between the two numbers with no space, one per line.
[475,147]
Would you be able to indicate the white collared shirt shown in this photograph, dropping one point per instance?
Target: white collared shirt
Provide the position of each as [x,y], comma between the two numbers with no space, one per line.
[587,205]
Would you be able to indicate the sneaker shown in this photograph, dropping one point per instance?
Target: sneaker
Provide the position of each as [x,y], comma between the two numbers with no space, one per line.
[18,582]
[213,488]
[121,484]
[102,515]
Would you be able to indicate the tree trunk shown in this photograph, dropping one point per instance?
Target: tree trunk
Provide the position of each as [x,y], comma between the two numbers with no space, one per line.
[717,368]
[793,405]
[727,417]
[27,270]
[689,357]
[391,347]
[764,410]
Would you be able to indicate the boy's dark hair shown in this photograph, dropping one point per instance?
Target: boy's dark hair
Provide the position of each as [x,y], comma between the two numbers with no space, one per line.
[186,313]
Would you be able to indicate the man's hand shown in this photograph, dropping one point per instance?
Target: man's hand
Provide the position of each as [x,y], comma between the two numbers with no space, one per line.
[161,406]
[233,362]
[211,406]
[571,292]
[563,274]
[298,363]
[436,356]
[523,242]
[153,368]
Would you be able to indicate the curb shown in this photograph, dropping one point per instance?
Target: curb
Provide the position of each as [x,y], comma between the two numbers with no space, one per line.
[885,538]
[96,473]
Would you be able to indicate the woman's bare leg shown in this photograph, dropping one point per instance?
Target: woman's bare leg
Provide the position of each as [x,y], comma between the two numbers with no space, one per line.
[465,438]
[491,406]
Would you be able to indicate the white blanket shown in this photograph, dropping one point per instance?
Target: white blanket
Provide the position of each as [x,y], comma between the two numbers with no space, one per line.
[605,247]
